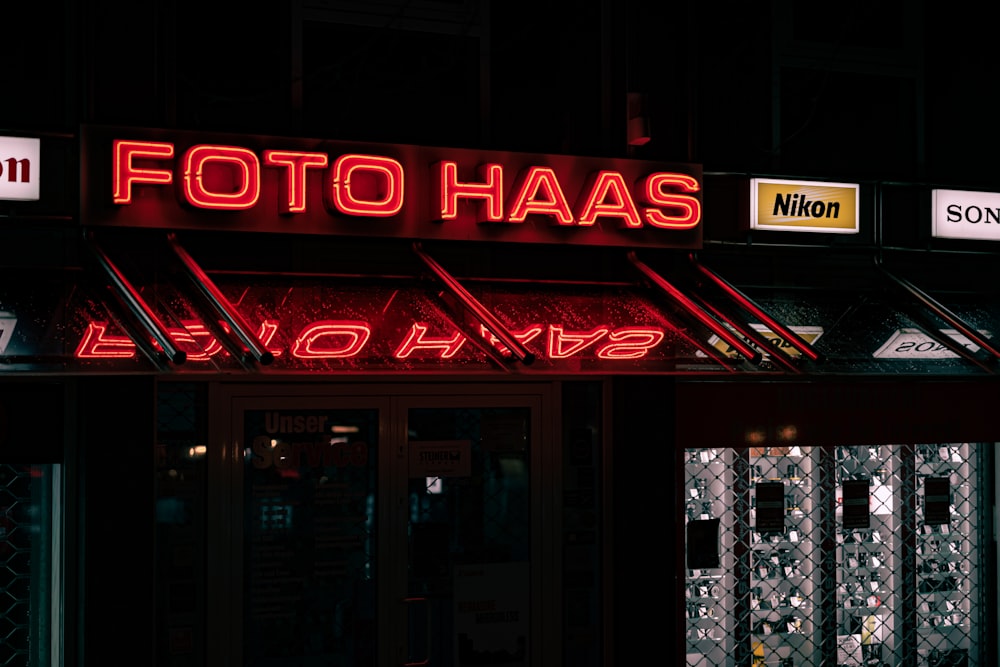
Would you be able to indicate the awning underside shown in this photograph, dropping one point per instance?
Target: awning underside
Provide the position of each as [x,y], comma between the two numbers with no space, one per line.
[124,315]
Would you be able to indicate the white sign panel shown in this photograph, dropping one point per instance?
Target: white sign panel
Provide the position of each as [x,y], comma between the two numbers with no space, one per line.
[849,650]
[441,458]
[961,214]
[907,343]
[20,168]
[7,324]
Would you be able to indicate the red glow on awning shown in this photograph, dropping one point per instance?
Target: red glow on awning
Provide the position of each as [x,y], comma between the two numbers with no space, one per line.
[309,327]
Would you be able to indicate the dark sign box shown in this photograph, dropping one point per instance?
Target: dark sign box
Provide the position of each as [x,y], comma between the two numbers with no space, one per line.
[937,501]
[857,503]
[703,543]
[770,507]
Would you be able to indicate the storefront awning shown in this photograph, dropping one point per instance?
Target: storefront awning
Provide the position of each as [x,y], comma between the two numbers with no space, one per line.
[133,309]
[152,304]
[870,316]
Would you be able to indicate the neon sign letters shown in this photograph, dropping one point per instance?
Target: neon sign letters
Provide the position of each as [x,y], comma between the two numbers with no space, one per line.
[187,180]
[373,185]
[343,339]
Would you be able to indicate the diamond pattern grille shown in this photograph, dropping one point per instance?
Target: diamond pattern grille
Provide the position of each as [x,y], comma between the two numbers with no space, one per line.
[866,556]
[15,563]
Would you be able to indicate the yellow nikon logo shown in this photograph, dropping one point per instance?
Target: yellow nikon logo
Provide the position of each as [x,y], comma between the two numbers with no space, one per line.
[804,206]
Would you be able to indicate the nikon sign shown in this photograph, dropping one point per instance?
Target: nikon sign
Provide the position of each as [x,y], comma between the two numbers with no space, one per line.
[804,206]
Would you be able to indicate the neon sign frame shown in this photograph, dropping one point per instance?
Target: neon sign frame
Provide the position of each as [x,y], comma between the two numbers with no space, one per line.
[185,180]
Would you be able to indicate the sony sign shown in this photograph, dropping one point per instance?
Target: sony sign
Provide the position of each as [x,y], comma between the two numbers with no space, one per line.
[962,214]
[20,159]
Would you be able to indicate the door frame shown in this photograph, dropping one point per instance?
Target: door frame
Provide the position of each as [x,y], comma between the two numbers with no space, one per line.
[224,567]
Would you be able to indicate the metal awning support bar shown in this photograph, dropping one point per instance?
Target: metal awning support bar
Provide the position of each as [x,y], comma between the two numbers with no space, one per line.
[137,305]
[696,311]
[776,354]
[754,309]
[728,363]
[478,310]
[221,305]
[940,310]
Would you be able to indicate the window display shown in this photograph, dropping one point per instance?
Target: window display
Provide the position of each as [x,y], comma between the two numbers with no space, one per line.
[794,553]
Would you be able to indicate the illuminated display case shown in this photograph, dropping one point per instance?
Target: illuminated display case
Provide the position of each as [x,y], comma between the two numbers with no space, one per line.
[782,532]
[866,552]
[948,519]
[867,532]
[709,590]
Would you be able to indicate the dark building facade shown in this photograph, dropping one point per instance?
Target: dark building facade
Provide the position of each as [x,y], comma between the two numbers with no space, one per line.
[469,333]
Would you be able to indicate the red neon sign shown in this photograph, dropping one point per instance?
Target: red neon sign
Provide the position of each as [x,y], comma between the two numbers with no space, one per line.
[490,189]
[293,176]
[330,339]
[325,187]
[333,339]
[244,167]
[126,173]
[383,196]
[539,193]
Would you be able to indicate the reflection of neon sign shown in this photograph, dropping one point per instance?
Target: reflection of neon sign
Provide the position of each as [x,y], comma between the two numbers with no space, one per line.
[344,339]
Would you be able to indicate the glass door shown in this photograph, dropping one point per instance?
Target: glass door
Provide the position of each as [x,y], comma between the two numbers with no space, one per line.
[396,528]
[305,522]
[469,531]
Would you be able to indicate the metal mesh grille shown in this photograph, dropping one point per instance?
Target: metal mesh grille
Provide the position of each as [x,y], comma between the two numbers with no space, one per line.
[860,555]
[29,519]
[15,563]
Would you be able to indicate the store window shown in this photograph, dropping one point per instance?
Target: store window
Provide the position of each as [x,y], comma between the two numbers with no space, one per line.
[877,554]
[181,480]
[31,524]
[30,529]
[583,536]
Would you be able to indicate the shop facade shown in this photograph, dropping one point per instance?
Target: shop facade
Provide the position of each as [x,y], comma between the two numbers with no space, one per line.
[318,402]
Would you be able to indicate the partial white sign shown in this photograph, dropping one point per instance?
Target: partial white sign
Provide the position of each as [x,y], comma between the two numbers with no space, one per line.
[20,168]
[810,334]
[907,343]
[7,323]
[961,214]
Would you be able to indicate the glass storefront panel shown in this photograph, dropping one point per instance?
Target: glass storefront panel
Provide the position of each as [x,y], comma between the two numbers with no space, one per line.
[469,533]
[310,537]
[30,567]
[181,484]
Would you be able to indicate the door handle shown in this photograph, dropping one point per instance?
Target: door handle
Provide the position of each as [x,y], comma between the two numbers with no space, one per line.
[427,657]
